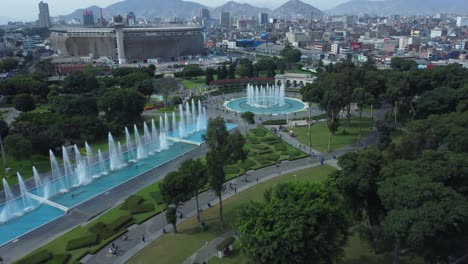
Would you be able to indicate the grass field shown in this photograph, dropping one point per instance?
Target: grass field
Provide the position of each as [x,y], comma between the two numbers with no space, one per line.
[194,83]
[176,248]
[343,137]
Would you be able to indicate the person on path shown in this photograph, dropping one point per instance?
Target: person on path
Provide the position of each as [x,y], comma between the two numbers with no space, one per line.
[143,238]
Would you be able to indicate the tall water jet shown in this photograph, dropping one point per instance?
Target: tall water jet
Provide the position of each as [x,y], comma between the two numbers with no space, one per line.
[188,117]
[147,137]
[129,144]
[57,181]
[120,153]
[174,122]
[37,178]
[89,154]
[199,117]
[181,123]
[81,173]
[154,135]
[265,96]
[166,123]
[27,203]
[78,157]
[68,168]
[10,208]
[102,166]
[162,136]
[114,158]
[140,149]
[194,116]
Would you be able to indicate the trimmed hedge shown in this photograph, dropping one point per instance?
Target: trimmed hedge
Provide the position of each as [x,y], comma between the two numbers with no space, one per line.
[253,140]
[280,147]
[262,152]
[271,140]
[272,157]
[262,160]
[120,223]
[60,259]
[131,202]
[260,147]
[157,197]
[232,169]
[82,242]
[40,257]
[259,132]
[141,208]
[101,230]
[247,164]
[274,122]
[225,243]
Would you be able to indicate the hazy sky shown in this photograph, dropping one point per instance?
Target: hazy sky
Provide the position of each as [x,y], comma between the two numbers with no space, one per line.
[28,9]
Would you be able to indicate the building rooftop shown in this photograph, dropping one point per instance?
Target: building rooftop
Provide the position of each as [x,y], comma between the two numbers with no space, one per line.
[126,29]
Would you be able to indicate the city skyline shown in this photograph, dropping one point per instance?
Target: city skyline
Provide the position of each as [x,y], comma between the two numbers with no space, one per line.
[26,10]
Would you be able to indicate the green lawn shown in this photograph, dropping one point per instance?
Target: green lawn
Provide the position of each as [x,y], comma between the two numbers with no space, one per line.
[343,137]
[24,167]
[58,246]
[194,83]
[176,248]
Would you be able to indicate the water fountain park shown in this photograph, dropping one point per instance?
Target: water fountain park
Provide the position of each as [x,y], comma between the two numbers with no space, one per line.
[266,100]
[78,177]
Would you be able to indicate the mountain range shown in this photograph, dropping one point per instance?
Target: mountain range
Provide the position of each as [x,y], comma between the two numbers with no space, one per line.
[400,7]
[187,9]
[290,9]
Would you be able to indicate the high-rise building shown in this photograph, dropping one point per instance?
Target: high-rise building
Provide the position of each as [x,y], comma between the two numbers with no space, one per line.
[205,13]
[44,16]
[225,19]
[88,18]
[263,19]
[131,19]
[462,21]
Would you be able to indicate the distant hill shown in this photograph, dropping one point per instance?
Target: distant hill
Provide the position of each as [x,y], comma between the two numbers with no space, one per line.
[296,9]
[237,10]
[145,8]
[400,7]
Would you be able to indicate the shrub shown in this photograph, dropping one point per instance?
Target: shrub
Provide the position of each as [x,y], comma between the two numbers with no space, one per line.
[60,259]
[271,140]
[82,242]
[157,197]
[262,160]
[259,132]
[101,230]
[120,222]
[247,164]
[274,122]
[225,243]
[232,169]
[272,157]
[263,152]
[260,147]
[280,147]
[253,140]
[40,257]
[142,208]
[132,201]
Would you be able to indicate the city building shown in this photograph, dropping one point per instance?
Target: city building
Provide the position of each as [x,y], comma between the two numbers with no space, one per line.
[262,18]
[131,19]
[44,16]
[88,18]
[205,13]
[127,44]
[246,24]
[462,21]
[225,19]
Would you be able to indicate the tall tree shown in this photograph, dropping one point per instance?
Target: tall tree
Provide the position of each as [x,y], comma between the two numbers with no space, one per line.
[175,188]
[231,72]
[296,223]
[123,106]
[249,118]
[358,183]
[165,87]
[25,102]
[209,75]
[18,147]
[195,172]
[224,148]
[362,98]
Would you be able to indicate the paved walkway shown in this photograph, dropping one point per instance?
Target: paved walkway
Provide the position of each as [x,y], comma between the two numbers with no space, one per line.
[209,250]
[152,229]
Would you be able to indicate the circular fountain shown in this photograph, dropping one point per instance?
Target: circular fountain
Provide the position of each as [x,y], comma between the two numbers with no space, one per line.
[265,100]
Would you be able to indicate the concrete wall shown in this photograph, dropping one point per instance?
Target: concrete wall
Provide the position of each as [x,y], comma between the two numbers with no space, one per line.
[83,46]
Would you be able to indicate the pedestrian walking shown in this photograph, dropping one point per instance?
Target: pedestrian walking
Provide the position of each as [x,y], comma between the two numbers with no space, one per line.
[235,190]
[143,238]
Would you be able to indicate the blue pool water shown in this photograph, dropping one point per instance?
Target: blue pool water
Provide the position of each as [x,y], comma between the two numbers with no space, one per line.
[43,214]
[115,178]
[28,222]
[291,106]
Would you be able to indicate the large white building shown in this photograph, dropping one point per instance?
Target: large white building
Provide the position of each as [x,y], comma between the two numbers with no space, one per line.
[462,21]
